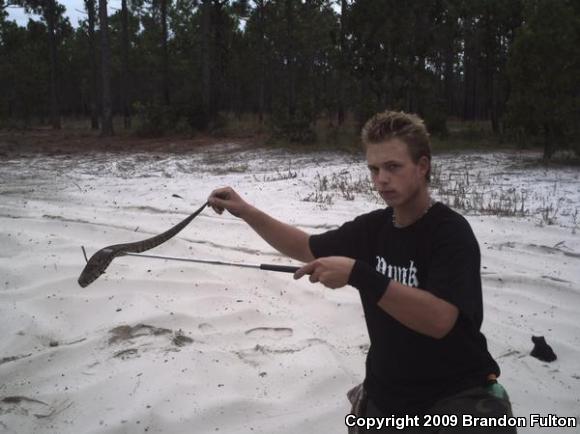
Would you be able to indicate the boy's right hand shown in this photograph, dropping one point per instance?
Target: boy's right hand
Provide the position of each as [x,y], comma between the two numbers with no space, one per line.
[227,198]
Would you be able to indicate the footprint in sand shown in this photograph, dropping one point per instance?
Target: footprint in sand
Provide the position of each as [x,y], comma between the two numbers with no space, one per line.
[270,332]
[127,335]
[206,327]
[24,406]
[127,354]
[258,354]
[21,405]
[126,332]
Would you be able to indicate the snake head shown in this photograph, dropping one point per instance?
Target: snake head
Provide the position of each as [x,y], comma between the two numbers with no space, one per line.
[97,265]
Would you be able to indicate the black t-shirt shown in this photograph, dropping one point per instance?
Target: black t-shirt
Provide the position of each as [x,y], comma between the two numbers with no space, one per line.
[406,371]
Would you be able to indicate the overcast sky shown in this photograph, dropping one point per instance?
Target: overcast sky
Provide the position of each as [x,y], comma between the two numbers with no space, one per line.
[74,11]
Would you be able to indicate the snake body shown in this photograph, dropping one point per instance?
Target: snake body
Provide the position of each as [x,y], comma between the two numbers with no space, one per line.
[99,262]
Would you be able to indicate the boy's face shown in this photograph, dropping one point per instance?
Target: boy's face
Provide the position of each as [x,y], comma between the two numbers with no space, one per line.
[395,176]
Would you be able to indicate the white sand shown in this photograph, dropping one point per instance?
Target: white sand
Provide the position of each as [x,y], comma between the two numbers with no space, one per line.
[267,354]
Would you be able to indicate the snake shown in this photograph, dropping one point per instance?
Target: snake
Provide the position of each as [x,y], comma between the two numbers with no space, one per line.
[99,262]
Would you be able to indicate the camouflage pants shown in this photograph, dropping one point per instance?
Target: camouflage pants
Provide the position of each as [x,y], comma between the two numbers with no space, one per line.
[491,401]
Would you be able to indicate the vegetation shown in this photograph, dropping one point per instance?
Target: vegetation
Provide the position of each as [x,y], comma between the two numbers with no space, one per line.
[304,71]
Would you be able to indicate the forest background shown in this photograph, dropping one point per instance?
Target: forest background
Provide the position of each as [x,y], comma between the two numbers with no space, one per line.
[482,73]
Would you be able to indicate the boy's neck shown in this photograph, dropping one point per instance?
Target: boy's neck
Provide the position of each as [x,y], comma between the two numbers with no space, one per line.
[408,213]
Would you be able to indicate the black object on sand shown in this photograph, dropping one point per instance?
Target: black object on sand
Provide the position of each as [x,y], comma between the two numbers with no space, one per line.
[542,350]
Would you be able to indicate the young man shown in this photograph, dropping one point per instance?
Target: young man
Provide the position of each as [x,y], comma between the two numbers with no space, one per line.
[416,265]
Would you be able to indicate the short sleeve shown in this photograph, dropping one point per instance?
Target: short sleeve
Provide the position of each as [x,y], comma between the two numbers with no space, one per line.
[454,272]
[348,240]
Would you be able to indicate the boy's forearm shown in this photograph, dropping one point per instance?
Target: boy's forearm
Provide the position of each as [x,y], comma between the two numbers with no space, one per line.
[419,310]
[285,238]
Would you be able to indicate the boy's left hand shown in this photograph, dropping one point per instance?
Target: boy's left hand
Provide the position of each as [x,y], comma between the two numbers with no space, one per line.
[332,271]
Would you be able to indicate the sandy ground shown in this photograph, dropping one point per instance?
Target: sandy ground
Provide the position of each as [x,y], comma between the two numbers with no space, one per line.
[156,346]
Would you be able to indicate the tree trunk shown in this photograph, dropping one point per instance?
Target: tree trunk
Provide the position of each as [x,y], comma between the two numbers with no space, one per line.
[261,60]
[125,65]
[219,84]
[206,59]
[494,106]
[470,79]
[342,64]
[389,89]
[449,78]
[291,76]
[93,82]
[548,141]
[450,29]
[165,53]
[50,16]
[107,124]
[491,58]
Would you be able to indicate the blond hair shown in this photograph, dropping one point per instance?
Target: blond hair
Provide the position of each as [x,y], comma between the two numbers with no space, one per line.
[407,127]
